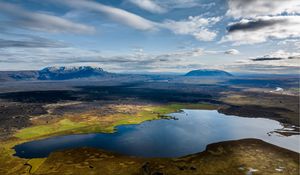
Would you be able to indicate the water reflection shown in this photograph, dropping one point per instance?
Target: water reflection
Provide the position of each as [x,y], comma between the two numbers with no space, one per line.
[191,133]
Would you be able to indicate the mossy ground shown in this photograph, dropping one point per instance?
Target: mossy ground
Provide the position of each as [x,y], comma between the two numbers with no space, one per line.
[226,158]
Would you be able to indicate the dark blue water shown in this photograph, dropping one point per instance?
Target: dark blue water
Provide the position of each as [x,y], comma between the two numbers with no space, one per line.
[191,133]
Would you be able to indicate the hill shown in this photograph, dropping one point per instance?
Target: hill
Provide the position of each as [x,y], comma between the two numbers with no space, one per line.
[208,73]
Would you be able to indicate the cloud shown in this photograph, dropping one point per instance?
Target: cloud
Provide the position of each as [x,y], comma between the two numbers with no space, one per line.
[254,8]
[232,52]
[280,61]
[266,59]
[116,14]
[35,58]
[159,6]
[262,68]
[292,43]
[195,52]
[294,57]
[4,43]
[254,24]
[278,55]
[277,62]
[149,5]
[196,26]
[182,4]
[260,29]
[22,18]
[137,60]
[262,20]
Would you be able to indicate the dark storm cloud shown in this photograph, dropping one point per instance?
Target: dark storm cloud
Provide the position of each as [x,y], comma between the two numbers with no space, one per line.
[253,24]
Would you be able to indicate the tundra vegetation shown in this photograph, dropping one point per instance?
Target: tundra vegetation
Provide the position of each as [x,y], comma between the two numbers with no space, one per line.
[32,111]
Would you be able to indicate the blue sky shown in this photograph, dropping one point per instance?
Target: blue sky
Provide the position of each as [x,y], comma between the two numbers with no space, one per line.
[151,35]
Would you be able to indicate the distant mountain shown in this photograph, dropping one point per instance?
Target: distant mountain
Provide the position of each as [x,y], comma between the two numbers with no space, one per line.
[54,73]
[208,73]
[18,75]
[65,73]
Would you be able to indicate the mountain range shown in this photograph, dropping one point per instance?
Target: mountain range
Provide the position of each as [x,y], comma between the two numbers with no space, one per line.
[65,73]
[81,72]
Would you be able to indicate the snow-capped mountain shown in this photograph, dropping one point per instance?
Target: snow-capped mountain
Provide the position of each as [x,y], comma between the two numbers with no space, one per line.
[64,73]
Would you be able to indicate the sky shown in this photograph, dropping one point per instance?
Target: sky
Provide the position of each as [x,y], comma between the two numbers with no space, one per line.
[257,36]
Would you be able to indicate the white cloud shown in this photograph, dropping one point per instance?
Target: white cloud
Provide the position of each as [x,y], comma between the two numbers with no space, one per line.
[159,6]
[283,54]
[196,26]
[35,58]
[254,8]
[290,43]
[149,5]
[280,61]
[40,21]
[180,4]
[232,52]
[262,20]
[280,58]
[116,14]
[260,29]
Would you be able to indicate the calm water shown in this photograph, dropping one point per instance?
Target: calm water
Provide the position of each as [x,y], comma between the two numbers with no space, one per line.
[191,133]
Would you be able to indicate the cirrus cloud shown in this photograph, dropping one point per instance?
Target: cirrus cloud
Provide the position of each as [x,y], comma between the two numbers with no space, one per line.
[22,18]
[196,26]
[149,5]
[116,14]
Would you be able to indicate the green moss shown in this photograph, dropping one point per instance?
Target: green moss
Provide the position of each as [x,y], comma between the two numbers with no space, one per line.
[66,126]
[37,131]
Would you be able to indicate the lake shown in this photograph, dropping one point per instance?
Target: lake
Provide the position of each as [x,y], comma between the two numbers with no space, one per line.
[190,133]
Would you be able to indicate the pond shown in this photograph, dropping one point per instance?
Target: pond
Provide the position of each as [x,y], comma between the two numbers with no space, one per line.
[190,133]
